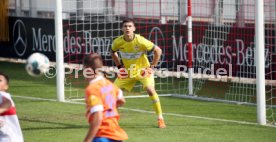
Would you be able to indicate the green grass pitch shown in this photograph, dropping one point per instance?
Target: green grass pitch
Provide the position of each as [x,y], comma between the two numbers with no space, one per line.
[187,120]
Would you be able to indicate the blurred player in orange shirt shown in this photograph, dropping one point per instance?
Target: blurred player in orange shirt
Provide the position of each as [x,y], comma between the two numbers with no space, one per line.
[102,99]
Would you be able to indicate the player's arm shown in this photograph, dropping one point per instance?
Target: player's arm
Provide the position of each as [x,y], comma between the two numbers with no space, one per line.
[116,58]
[5,104]
[151,47]
[95,105]
[95,124]
[120,99]
[157,52]
[115,55]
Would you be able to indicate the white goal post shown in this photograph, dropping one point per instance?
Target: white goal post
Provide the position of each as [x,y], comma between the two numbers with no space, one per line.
[260,61]
[59,52]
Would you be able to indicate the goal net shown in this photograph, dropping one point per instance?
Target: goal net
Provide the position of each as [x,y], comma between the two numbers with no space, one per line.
[223,46]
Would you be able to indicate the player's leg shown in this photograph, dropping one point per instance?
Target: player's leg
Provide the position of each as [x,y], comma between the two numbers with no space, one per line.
[157,105]
[148,84]
[126,83]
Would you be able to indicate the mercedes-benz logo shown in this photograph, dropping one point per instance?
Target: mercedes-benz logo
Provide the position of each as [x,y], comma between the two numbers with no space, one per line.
[155,34]
[19,37]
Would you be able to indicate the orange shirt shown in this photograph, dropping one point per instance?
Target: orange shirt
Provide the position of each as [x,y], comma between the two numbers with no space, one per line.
[102,95]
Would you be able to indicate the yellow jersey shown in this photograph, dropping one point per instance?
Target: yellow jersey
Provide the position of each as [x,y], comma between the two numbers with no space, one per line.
[133,53]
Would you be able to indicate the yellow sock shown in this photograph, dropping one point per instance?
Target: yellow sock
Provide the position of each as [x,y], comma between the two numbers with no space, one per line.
[157,105]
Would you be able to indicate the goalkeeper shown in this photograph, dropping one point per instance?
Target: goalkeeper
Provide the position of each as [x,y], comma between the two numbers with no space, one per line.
[135,65]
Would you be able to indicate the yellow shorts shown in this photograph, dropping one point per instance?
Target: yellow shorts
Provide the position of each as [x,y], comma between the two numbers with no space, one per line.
[128,83]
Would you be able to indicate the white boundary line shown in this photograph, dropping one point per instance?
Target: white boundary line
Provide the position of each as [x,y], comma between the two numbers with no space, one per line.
[192,116]
[34,98]
[145,96]
[132,97]
[151,112]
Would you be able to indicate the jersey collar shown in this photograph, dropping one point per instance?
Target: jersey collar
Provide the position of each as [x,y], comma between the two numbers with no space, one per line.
[134,36]
[96,79]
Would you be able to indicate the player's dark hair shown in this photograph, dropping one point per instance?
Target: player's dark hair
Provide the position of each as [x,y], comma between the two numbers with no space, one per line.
[93,61]
[128,20]
[6,77]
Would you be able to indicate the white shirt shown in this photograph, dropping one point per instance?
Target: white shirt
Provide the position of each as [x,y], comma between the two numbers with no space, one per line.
[10,130]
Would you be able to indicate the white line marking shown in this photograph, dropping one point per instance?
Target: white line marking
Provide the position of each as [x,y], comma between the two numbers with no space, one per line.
[34,98]
[145,96]
[44,99]
[191,116]
[131,97]
[151,112]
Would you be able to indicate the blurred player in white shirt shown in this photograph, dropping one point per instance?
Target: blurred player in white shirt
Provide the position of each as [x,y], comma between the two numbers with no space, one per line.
[10,130]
